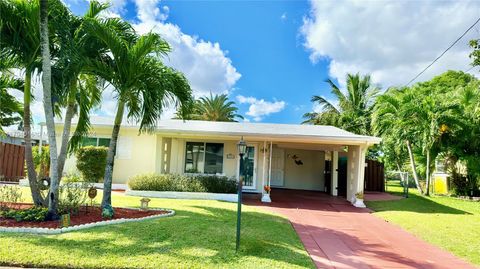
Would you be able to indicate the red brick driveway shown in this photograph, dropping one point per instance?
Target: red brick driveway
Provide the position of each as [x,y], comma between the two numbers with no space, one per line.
[337,235]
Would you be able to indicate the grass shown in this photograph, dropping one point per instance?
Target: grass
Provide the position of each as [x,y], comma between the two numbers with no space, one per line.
[449,223]
[200,235]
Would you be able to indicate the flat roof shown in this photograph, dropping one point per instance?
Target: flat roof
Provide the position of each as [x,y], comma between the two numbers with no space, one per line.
[260,130]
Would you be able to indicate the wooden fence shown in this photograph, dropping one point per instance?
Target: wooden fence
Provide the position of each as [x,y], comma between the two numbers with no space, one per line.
[374,176]
[12,162]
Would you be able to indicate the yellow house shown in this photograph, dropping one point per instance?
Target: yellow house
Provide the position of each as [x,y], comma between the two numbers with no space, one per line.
[292,156]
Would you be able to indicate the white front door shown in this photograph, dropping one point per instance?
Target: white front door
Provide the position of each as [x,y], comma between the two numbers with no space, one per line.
[278,164]
[250,168]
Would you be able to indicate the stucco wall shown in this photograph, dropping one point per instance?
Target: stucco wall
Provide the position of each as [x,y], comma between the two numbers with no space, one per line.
[138,154]
[308,176]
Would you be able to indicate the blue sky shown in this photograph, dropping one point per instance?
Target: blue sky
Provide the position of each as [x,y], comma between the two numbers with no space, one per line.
[271,56]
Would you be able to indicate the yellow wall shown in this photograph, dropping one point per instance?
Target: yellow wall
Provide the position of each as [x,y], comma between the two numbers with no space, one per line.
[308,176]
[142,148]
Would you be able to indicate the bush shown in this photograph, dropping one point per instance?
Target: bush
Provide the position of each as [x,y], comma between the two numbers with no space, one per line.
[71,197]
[183,183]
[91,162]
[72,178]
[9,195]
[41,161]
[30,214]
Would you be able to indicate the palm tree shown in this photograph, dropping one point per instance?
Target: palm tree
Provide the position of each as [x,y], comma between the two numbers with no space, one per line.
[48,108]
[389,122]
[143,85]
[214,108]
[80,92]
[354,106]
[12,110]
[19,29]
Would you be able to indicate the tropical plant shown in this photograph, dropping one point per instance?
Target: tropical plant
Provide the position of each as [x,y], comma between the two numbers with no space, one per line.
[91,162]
[143,85]
[354,105]
[79,91]
[11,109]
[20,43]
[214,108]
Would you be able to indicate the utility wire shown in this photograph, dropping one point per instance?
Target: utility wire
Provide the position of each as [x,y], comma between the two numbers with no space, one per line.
[440,56]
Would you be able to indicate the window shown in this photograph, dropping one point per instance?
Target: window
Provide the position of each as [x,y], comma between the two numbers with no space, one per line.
[95,141]
[204,158]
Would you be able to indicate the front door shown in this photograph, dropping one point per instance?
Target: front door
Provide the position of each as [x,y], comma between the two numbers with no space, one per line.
[278,163]
[342,176]
[250,165]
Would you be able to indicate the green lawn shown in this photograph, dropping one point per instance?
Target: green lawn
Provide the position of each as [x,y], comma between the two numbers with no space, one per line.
[201,234]
[447,222]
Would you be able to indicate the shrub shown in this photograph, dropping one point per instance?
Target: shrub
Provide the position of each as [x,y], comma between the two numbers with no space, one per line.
[91,162]
[183,183]
[30,214]
[9,195]
[41,161]
[72,178]
[71,197]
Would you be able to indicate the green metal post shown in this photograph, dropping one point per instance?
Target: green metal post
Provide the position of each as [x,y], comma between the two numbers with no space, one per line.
[239,203]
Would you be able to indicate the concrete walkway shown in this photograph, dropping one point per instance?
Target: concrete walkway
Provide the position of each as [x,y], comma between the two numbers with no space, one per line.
[337,235]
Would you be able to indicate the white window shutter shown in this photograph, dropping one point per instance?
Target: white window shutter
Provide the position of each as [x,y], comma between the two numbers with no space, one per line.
[124,148]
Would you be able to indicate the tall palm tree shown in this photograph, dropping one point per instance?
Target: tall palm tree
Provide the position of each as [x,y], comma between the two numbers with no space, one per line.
[354,106]
[389,120]
[214,108]
[48,108]
[143,85]
[80,92]
[19,29]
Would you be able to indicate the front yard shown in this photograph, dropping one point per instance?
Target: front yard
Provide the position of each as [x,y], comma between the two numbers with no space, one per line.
[201,234]
[447,222]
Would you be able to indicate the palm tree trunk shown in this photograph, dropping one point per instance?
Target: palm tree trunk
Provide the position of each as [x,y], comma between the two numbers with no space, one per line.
[107,181]
[427,176]
[48,107]
[31,173]
[414,166]
[62,156]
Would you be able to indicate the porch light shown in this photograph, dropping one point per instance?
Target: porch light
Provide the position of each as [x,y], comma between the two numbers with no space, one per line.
[242,147]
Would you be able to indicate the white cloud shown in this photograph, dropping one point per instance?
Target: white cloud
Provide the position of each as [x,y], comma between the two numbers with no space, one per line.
[391,40]
[284,16]
[204,63]
[260,108]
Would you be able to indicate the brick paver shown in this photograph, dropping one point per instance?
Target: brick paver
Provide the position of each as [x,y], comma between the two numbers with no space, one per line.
[338,235]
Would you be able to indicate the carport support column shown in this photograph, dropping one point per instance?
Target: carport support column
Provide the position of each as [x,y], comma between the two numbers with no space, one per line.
[356,177]
[334,188]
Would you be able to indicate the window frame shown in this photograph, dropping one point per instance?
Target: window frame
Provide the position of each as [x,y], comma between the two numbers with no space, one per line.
[202,172]
[97,138]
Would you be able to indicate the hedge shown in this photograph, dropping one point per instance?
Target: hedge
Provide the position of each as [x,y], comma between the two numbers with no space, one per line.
[183,183]
[91,162]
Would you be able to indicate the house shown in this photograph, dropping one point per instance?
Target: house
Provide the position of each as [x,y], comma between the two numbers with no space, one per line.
[292,156]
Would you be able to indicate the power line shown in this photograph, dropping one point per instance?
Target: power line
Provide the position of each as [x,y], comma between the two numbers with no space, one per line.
[440,56]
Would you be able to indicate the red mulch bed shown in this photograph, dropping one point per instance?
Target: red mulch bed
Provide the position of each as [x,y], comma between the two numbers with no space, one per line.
[85,216]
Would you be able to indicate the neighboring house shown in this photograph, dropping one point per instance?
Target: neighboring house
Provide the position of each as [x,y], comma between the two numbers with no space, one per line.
[281,155]
[16,138]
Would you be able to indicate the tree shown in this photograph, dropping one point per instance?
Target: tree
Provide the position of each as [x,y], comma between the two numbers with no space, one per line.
[214,108]
[79,92]
[143,85]
[354,106]
[10,109]
[48,107]
[388,121]
[19,29]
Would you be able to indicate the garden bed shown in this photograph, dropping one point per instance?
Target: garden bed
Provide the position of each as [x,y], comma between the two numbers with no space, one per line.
[87,217]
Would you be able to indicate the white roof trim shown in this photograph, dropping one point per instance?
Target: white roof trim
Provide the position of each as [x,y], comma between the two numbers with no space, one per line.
[280,132]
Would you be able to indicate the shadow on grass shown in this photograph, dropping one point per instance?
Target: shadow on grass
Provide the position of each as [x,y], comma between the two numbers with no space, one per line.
[205,238]
[414,203]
